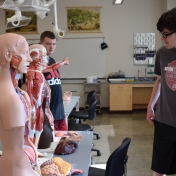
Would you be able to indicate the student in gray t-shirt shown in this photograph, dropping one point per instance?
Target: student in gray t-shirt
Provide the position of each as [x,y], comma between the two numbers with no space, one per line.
[164,119]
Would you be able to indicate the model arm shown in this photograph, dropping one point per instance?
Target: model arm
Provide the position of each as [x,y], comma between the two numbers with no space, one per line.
[153,99]
[29,84]
[28,146]
[57,65]
[26,97]
[47,107]
[28,101]
[49,115]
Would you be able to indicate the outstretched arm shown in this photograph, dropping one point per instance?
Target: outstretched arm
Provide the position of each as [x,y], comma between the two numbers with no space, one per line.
[57,65]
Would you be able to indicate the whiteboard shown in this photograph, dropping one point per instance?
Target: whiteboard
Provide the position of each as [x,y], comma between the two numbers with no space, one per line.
[87,57]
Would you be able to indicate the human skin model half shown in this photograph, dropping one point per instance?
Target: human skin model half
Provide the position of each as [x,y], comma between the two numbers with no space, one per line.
[38,89]
[14,58]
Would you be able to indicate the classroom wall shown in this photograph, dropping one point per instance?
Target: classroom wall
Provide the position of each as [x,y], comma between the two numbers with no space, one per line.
[164,7]
[171,4]
[118,23]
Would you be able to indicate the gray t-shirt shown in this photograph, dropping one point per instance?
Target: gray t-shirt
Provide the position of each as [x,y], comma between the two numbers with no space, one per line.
[165,66]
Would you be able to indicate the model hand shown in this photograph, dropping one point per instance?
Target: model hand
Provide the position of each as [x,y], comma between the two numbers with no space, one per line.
[68,94]
[33,115]
[150,115]
[66,61]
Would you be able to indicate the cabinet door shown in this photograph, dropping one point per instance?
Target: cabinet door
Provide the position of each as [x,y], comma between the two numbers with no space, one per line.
[120,100]
[141,95]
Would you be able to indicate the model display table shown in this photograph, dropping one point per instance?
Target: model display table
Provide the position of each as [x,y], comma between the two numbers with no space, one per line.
[81,159]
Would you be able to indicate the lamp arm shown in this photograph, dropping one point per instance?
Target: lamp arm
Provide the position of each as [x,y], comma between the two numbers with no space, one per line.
[50,3]
[56,30]
[55,23]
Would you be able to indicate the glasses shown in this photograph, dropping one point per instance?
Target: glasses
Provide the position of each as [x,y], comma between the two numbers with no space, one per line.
[166,35]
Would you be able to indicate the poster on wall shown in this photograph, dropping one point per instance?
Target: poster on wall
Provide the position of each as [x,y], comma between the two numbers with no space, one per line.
[83,19]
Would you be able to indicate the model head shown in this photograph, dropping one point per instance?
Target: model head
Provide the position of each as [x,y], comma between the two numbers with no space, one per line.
[167,28]
[38,53]
[48,39]
[14,52]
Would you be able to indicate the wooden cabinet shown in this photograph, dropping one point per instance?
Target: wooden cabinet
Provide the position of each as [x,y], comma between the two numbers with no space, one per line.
[141,95]
[125,97]
[120,98]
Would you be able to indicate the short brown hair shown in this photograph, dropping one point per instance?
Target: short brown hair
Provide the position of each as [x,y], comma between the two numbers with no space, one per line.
[48,34]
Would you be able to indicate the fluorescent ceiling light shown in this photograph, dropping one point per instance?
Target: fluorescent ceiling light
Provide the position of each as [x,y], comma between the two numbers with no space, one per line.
[118,1]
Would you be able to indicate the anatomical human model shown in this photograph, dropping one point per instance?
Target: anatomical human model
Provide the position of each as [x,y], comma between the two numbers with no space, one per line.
[14,107]
[38,90]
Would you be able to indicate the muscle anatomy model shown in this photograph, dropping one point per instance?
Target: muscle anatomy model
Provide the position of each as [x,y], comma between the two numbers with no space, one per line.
[38,89]
[14,108]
